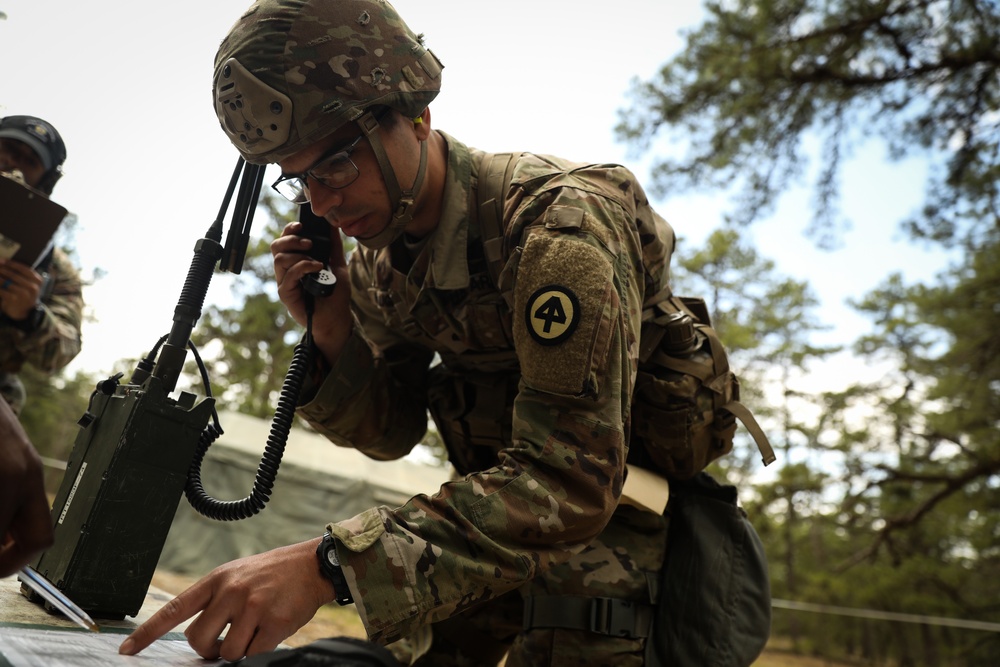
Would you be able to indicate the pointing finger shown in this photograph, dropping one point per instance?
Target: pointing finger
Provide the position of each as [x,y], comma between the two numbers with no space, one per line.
[178,610]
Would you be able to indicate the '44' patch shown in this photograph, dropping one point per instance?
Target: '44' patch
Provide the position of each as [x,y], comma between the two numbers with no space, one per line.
[552,314]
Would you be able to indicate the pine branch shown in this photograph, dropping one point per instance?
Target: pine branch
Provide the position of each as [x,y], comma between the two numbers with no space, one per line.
[949,486]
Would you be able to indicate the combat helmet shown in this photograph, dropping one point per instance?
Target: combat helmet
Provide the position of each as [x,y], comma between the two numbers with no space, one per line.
[44,139]
[291,72]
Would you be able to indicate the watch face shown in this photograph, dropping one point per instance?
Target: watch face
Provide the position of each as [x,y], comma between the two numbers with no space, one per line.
[330,551]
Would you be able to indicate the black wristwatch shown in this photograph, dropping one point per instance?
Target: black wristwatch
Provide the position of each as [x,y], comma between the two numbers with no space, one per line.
[329,565]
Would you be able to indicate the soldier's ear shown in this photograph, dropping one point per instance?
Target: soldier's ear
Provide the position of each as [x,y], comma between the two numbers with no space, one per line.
[422,124]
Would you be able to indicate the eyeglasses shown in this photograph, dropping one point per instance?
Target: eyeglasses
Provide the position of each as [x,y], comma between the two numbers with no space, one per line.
[334,170]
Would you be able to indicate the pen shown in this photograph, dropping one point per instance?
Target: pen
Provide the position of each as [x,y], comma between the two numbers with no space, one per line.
[55,597]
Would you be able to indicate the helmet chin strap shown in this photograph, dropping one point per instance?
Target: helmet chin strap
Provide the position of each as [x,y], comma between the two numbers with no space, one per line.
[402,200]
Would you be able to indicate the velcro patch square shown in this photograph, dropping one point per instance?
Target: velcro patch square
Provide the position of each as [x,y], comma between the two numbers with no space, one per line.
[565,310]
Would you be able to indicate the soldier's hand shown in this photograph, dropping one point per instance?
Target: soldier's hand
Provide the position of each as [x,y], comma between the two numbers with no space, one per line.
[20,286]
[25,520]
[332,322]
[263,599]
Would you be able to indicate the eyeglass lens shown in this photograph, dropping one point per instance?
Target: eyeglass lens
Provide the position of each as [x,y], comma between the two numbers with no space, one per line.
[334,172]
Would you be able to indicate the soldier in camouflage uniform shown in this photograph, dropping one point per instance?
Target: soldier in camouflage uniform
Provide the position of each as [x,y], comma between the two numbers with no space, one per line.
[41,308]
[530,552]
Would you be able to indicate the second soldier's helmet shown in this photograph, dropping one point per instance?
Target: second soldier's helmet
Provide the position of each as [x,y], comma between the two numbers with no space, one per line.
[43,139]
[291,72]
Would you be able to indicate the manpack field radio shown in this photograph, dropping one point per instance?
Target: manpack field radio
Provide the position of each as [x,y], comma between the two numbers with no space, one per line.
[123,481]
[141,446]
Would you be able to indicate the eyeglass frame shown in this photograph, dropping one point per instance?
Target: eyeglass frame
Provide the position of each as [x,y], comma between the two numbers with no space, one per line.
[342,152]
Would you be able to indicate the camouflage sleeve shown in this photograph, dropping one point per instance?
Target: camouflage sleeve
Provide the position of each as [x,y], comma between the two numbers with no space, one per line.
[57,339]
[577,301]
[373,398]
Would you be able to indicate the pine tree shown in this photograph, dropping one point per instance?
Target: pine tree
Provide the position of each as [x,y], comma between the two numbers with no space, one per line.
[760,77]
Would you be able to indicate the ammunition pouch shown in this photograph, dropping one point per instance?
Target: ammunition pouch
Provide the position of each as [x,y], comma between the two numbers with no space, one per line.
[686,399]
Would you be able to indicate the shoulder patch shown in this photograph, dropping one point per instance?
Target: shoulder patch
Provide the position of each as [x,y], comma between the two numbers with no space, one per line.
[566,312]
[552,314]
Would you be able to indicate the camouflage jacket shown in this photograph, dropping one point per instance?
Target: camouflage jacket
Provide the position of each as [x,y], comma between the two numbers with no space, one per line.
[531,396]
[56,340]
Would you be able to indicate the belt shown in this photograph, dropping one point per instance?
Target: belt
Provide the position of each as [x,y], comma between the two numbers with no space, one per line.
[606,616]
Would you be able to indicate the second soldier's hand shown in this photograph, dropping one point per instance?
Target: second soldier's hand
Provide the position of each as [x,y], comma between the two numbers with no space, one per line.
[20,287]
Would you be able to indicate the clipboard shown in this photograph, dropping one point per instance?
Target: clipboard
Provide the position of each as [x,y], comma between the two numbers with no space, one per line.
[28,222]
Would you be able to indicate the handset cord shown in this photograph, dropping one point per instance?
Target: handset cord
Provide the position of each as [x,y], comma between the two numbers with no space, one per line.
[170,360]
[281,424]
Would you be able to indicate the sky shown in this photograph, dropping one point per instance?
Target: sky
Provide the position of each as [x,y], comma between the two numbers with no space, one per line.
[129,86]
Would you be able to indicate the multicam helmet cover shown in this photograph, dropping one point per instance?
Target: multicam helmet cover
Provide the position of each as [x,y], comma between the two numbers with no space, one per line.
[291,72]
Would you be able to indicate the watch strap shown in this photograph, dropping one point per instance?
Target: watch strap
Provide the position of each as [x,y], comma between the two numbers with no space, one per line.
[329,565]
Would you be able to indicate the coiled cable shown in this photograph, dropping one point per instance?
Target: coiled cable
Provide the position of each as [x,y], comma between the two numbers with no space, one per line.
[281,424]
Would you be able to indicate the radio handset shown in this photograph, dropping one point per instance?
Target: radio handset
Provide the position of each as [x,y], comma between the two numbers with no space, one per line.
[317,229]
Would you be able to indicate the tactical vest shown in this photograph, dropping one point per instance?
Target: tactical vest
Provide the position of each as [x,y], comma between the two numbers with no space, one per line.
[685,401]
[471,392]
